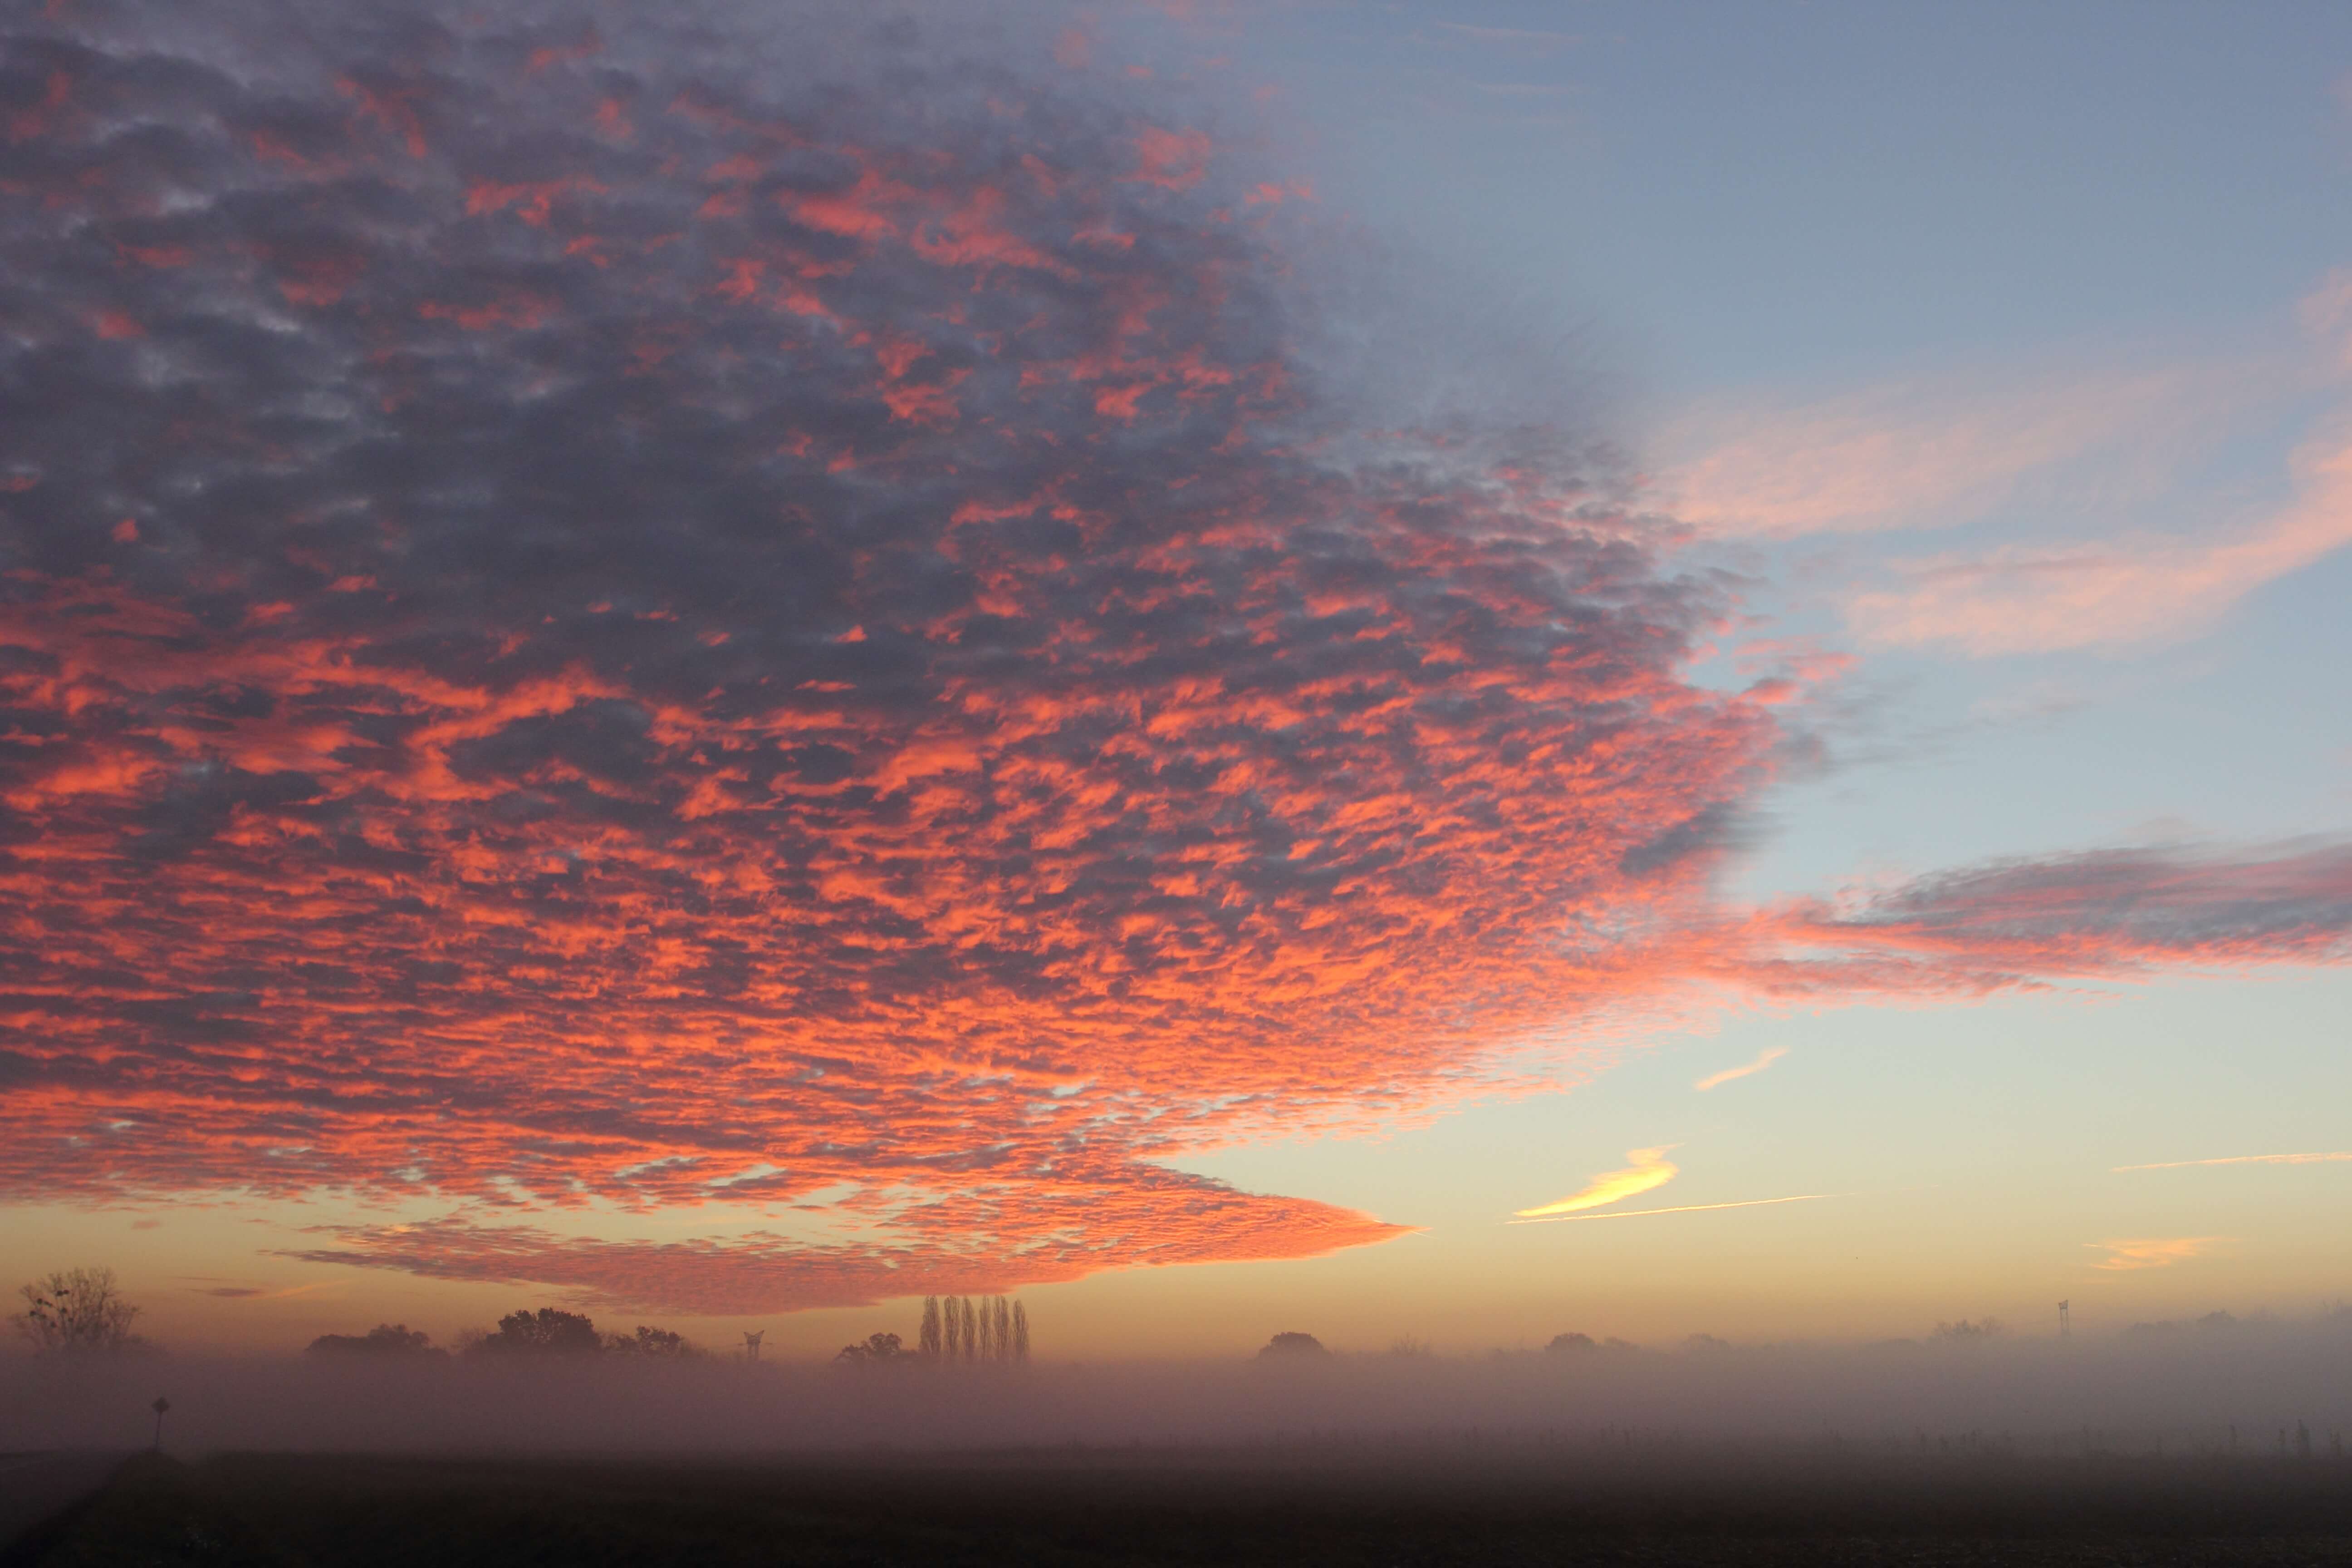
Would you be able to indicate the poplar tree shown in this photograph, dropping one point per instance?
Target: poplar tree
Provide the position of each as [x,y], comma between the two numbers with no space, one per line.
[954,1342]
[1019,1334]
[970,1331]
[927,1341]
[1002,1310]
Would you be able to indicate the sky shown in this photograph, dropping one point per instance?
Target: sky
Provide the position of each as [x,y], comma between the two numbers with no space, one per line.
[1458,671]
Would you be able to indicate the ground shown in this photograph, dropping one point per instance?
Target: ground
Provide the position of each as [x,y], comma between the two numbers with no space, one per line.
[1433,1505]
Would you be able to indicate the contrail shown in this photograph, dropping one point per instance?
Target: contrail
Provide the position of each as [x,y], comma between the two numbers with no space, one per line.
[1686,1208]
[2330,1158]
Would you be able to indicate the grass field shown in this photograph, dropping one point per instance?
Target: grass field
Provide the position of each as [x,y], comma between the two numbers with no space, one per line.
[1434,1506]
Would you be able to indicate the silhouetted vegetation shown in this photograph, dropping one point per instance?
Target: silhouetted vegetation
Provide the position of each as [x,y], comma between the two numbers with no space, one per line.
[873,1350]
[1966,1333]
[967,1330]
[548,1331]
[384,1339]
[77,1311]
[552,1331]
[1569,1344]
[649,1342]
[1292,1346]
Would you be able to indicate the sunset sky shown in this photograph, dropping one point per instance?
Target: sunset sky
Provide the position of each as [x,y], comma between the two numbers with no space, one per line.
[1456,670]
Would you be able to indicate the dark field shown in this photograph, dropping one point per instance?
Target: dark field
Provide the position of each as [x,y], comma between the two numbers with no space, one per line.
[1443,1504]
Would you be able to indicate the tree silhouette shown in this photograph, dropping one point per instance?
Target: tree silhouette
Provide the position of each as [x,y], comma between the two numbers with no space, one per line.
[77,1311]
[1966,1333]
[650,1342]
[971,1330]
[1019,1334]
[548,1331]
[872,1350]
[1001,1311]
[384,1339]
[952,1318]
[927,1342]
[1292,1345]
[1561,1344]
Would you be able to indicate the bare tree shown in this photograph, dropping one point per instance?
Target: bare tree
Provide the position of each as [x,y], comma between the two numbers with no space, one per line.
[987,1330]
[971,1331]
[927,1341]
[1002,1310]
[1019,1334]
[953,1319]
[77,1311]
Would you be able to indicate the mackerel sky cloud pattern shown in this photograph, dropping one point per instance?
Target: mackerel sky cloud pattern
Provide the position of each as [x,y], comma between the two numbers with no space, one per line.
[603,608]
[587,618]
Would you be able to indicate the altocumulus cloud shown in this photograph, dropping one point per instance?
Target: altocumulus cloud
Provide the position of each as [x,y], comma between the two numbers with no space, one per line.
[744,603]
[596,610]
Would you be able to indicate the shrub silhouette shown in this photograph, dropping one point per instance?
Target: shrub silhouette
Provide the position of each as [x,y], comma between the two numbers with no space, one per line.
[1563,1344]
[1288,1346]
[1966,1333]
[648,1340]
[872,1350]
[548,1331]
[384,1339]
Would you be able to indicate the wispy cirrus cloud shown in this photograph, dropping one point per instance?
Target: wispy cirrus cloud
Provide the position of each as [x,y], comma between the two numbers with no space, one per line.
[2339,1156]
[1916,458]
[1648,1170]
[1897,456]
[2090,593]
[1764,1058]
[2154,1252]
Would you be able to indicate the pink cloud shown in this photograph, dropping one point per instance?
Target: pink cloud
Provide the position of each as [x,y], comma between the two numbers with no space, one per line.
[2037,599]
[1895,457]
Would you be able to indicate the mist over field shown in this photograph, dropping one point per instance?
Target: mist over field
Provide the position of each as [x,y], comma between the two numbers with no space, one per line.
[2181,1388]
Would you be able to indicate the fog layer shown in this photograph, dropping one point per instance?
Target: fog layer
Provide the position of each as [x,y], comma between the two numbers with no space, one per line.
[2267,1388]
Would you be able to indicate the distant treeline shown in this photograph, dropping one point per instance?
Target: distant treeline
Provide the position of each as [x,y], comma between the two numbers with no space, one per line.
[957,1331]
[548,1331]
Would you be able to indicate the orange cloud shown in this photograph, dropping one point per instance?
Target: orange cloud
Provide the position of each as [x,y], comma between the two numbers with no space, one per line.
[1650,1169]
[2157,1252]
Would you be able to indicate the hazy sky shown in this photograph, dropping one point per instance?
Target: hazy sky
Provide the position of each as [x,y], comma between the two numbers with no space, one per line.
[736,666]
